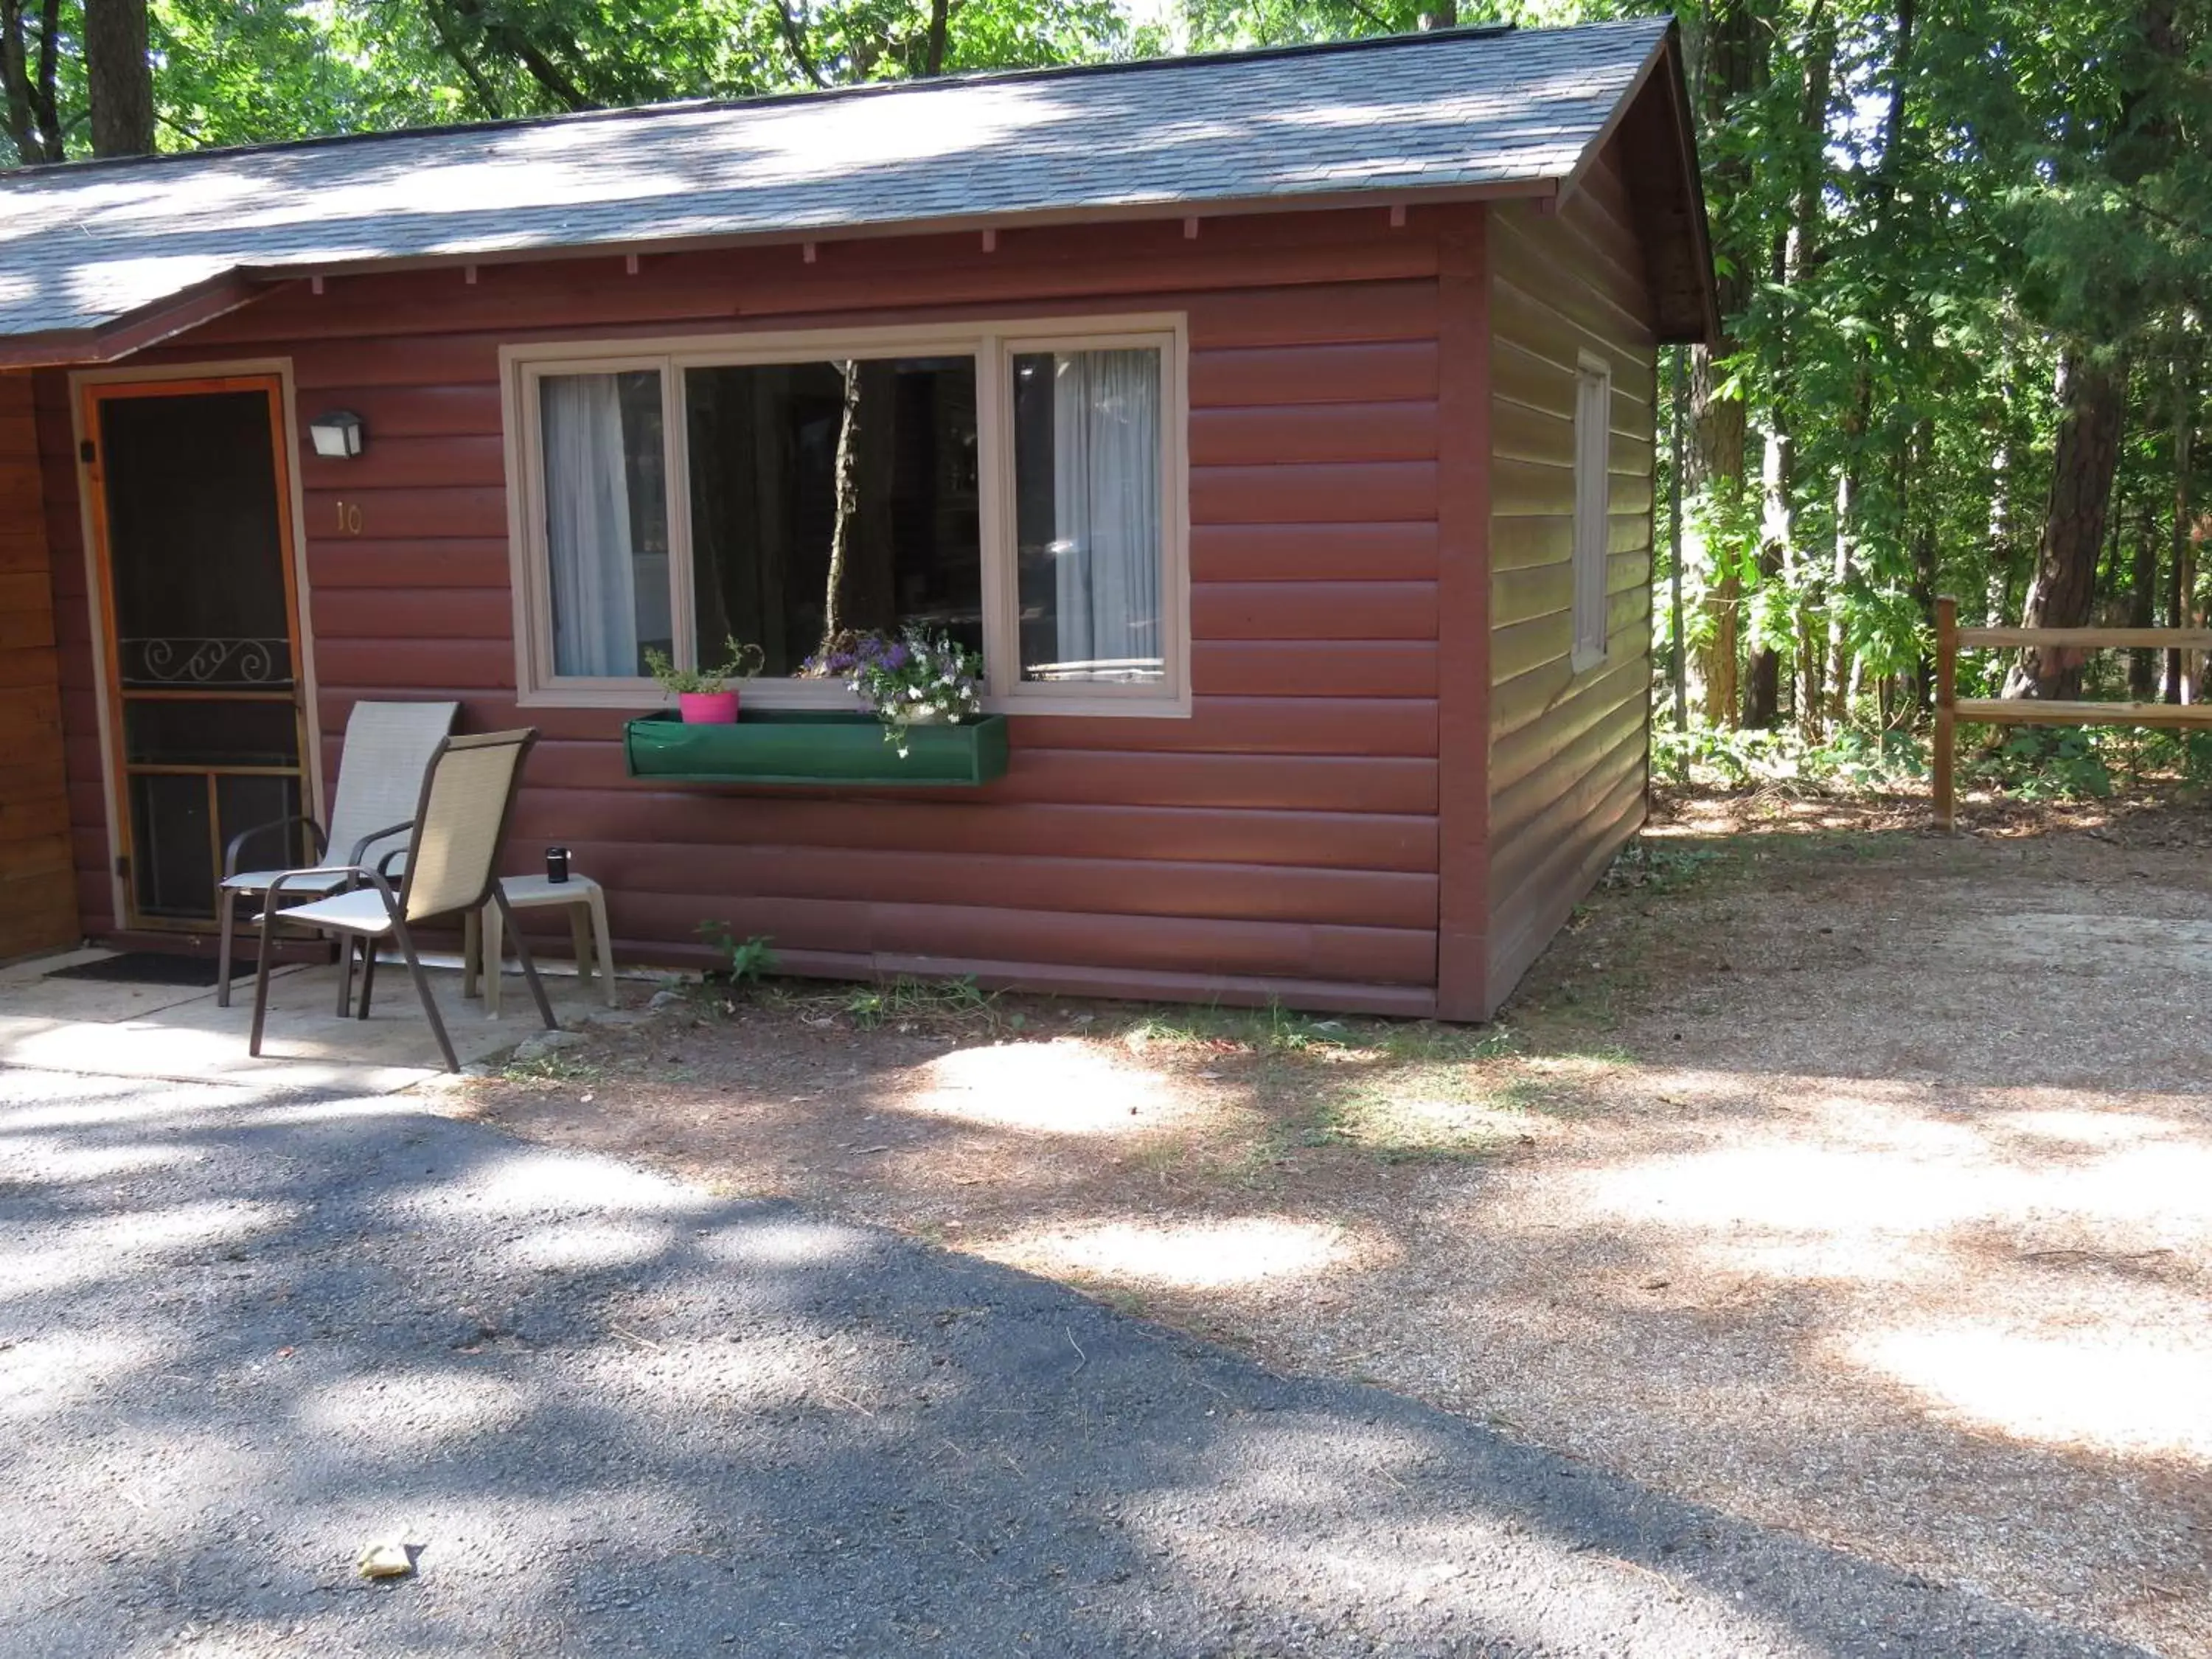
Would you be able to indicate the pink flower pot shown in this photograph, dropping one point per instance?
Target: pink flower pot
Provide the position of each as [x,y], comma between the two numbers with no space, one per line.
[708,707]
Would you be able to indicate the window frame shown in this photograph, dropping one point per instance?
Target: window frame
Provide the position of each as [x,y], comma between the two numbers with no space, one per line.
[994,346]
[1593,510]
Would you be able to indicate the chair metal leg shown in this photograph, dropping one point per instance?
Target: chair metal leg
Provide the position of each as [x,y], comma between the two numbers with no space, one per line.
[346,942]
[260,992]
[529,967]
[227,901]
[367,973]
[422,990]
[472,954]
[495,956]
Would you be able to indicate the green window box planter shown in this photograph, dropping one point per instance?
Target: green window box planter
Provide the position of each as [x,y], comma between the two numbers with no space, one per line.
[813,746]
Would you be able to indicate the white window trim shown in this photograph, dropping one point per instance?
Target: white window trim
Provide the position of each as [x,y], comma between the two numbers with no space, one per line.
[1593,486]
[994,345]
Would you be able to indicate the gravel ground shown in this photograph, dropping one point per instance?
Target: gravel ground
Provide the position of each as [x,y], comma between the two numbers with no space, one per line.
[1836,1177]
[241,1335]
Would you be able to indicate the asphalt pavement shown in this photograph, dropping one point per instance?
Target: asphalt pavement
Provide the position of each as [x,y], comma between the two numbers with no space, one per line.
[244,1335]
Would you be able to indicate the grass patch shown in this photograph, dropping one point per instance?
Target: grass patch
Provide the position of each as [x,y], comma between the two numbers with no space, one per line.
[905,1001]
[559,1066]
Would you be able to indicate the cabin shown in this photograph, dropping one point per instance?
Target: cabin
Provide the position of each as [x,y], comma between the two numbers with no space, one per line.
[1278,425]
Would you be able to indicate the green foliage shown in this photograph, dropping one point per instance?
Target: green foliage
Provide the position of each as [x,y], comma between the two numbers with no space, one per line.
[1651,865]
[2047,764]
[1915,211]
[739,663]
[1853,761]
[751,959]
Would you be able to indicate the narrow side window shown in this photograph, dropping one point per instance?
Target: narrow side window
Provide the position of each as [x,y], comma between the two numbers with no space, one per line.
[1088,514]
[606,522]
[1593,501]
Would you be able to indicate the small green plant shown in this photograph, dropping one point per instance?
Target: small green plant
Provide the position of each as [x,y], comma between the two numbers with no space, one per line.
[1654,866]
[751,959]
[2037,763]
[906,1000]
[740,663]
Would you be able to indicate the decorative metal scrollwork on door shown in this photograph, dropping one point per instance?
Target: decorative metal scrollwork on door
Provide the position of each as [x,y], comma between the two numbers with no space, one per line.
[205,662]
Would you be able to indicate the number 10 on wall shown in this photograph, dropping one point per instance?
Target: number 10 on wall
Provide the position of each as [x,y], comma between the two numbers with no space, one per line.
[348,518]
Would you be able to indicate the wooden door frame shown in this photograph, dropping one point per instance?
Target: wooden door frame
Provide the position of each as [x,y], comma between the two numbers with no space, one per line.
[273,376]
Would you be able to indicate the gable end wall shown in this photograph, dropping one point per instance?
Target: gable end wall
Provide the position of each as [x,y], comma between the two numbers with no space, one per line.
[1567,750]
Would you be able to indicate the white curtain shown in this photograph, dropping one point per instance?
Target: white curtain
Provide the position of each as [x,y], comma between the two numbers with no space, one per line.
[587,526]
[1106,494]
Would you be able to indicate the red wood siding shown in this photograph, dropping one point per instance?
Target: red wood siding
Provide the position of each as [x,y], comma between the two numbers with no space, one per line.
[1281,841]
[92,856]
[1567,750]
[38,900]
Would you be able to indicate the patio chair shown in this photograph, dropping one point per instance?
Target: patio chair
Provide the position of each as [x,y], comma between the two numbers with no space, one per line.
[379,779]
[450,867]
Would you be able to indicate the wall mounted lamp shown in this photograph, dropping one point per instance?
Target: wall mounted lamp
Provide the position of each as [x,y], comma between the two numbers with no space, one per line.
[338,435]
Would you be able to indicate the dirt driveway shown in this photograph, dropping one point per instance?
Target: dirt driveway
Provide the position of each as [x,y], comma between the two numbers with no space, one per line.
[1839,1176]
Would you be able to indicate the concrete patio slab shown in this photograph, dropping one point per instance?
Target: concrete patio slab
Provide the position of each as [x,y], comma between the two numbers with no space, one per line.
[178,1034]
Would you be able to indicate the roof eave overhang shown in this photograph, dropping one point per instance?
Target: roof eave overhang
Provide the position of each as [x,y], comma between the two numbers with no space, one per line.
[134,331]
[176,313]
[1380,196]
[1660,88]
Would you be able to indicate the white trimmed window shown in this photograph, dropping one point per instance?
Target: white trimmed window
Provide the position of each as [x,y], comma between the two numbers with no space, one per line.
[1022,490]
[1593,505]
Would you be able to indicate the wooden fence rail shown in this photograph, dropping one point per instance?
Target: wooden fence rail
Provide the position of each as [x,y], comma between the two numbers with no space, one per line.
[1951,707]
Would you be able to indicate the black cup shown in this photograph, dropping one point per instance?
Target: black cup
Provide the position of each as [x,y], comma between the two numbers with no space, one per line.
[556,865]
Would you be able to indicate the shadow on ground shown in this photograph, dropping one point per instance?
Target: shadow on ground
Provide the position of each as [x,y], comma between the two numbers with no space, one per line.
[241,1335]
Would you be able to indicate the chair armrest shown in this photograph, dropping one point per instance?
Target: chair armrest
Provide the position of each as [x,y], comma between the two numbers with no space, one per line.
[359,855]
[375,878]
[237,841]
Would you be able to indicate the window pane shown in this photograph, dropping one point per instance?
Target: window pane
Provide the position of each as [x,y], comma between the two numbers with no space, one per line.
[606,520]
[782,556]
[1087,515]
[1593,447]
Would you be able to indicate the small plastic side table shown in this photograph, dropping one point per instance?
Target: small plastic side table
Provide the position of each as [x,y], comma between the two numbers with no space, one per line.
[485,945]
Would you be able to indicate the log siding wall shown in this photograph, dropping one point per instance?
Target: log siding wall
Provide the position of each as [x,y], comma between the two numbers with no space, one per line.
[1567,751]
[1281,841]
[37,902]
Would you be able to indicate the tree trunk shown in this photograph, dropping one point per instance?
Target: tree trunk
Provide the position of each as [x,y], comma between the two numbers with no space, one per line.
[1921,464]
[1762,691]
[118,77]
[35,123]
[940,18]
[2142,608]
[15,84]
[2093,401]
[1732,63]
[847,487]
[1679,669]
[2180,682]
[1718,426]
[1795,252]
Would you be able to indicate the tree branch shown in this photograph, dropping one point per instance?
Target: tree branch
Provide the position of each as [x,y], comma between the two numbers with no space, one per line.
[795,39]
[483,89]
[544,70]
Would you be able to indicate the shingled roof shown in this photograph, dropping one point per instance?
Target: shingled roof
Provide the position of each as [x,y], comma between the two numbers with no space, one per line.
[97,257]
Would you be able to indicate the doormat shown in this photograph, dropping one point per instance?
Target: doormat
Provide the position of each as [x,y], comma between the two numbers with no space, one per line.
[149,968]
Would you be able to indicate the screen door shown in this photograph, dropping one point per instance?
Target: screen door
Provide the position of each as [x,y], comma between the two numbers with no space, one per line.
[205,708]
